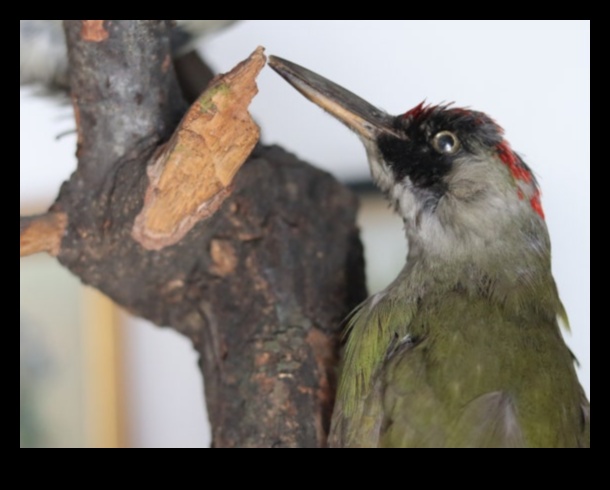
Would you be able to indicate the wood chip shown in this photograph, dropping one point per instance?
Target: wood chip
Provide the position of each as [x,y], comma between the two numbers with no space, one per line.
[191,176]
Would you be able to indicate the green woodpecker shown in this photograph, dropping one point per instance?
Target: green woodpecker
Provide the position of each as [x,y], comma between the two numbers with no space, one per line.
[463,348]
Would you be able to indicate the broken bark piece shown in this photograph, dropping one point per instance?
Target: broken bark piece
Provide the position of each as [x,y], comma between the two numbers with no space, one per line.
[42,233]
[191,175]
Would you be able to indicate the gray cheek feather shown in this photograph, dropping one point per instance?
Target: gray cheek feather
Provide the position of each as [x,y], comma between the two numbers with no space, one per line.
[478,214]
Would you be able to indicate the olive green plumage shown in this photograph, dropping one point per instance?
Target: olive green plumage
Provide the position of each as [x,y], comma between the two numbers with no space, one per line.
[454,369]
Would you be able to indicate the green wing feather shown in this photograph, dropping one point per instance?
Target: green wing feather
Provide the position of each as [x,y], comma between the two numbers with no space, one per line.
[371,328]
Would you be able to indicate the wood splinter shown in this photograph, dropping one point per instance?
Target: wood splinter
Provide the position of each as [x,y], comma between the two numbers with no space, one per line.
[191,175]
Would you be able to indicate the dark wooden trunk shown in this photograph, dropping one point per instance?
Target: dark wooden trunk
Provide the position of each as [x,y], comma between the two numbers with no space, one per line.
[261,287]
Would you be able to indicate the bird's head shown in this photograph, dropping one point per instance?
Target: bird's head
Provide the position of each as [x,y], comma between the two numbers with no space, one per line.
[450,173]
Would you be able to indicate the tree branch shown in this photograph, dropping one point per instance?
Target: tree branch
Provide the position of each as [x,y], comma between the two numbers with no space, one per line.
[124,91]
[260,287]
[42,233]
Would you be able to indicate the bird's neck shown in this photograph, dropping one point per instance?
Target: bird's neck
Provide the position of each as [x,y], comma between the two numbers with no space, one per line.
[513,270]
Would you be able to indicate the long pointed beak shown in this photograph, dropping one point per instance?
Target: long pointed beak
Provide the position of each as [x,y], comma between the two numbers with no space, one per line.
[356,113]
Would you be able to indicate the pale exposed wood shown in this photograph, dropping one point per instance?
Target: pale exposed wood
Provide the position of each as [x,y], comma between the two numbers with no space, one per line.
[191,177]
[42,233]
[94,31]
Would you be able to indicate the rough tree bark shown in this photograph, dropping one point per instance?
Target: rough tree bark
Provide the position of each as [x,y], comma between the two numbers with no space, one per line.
[260,287]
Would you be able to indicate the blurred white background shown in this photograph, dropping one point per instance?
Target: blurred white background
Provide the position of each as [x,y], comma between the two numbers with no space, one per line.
[533,77]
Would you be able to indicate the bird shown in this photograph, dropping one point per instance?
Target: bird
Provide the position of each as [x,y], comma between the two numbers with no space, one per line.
[464,347]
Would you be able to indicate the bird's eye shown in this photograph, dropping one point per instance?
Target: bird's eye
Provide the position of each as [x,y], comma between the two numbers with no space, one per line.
[445,142]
